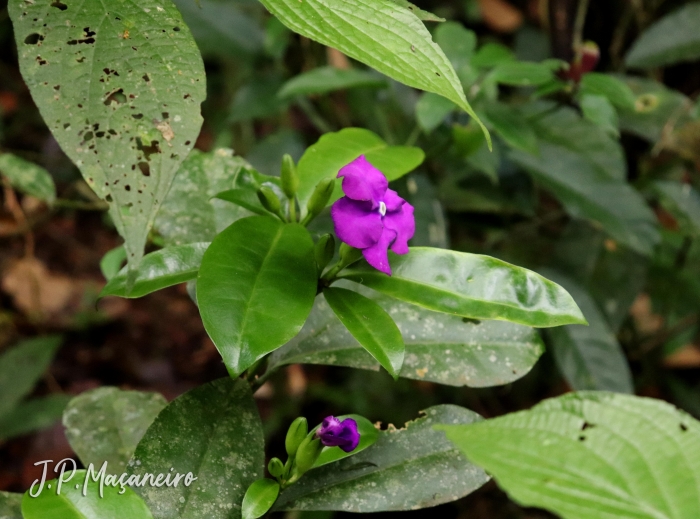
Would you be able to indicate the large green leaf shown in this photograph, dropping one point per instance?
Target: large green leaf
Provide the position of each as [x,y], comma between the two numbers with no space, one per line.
[213,431]
[21,367]
[188,213]
[10,505]
[328,79]
[431,111]
[524,73]
[160,269]
[589,357]
[373,328]
[672,39]
[573,165]
[27,177]
[406,469]
[599,110]
[119,84]
[440,348]
[99,501]
[32,415]
[683,201]
[610,87]
[379,33]
[255,288]
[592,456]
[334,150]
[471,285]
[106,424]
[511,125]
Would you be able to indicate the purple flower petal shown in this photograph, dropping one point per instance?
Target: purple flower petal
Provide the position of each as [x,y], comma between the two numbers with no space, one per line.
[356,223]
[377,254]
[392,200]
[404,224]
[362,181]
[334,433]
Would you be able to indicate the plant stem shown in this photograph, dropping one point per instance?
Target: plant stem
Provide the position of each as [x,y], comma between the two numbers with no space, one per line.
[293,209]
[579,23]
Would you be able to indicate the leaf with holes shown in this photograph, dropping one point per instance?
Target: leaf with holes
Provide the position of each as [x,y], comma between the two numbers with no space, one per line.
[119,85]
[592,455]
[27,177]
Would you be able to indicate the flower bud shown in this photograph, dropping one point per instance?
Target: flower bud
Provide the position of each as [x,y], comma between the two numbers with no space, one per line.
[289,177]
[349,254]
[308,453]
[320,197]
[295,435]
[324,250]
[276,467]
[269,200]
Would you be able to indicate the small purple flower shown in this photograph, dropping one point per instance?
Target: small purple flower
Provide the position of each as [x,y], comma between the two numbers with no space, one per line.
[371,217]
[334,433]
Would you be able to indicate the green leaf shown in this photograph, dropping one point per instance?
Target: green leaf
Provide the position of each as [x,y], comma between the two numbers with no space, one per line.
[328,79]
[589,357]
[334,150]
[189,214]
[600,111]
[106,424]
[379,33]
[592,456]
[119,86]
[420,13]
[508,122]
[22,366]
[523,73]
[406,469]
[672,39]
[368,437]
[256,288]
[259,498]
[27,177]
[440,348]
[611,87]
[213,431]
[10,505]
[112,262]
[32,415]
[471,285]
[97,503]
[431,111]
[458,45]
[492,55]
[373,328]
[160,269]
[682,201]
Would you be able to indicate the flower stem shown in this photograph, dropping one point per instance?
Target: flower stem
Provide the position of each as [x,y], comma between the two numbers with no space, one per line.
[293,209]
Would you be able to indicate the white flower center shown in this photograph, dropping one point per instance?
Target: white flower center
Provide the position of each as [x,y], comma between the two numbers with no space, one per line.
[382,208]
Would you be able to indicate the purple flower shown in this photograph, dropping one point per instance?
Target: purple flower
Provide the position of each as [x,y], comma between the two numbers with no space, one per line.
[334,433]
[371,217]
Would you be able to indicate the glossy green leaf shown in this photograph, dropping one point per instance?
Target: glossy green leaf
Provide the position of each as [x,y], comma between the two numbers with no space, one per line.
[112,262]
[611,87]
[259,498]
[33,415]
[334,150]
[213,431]
[21,367]
[10,505]
[71,504]
[440,348]
[523,73]
[189,214]
[368,437]
[406,469]
[682,201]
[119,86]
[370,325]
[600,111]
[512,126]
[431,111]
[160,269]
[672,39]
[256,288]
[106,424]
[27,177]
[592,455]
[471,285]
[379,33]
[328,79]
[589,357]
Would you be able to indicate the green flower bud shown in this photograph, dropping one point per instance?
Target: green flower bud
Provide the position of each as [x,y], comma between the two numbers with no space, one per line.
[349,254]
[276,467]
[269,200]
[308,453]
[295,435]
[324,250]
[289,177]
[320,197]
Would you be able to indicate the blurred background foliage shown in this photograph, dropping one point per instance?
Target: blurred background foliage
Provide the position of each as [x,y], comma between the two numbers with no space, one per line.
[592,181]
